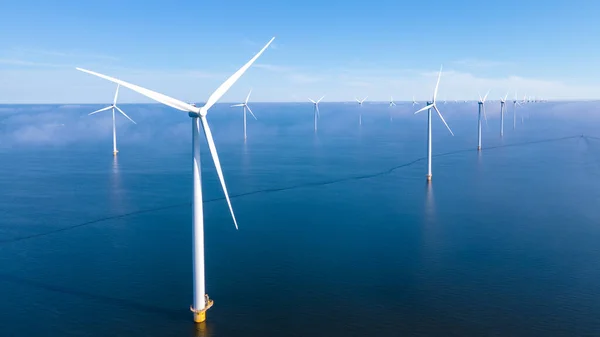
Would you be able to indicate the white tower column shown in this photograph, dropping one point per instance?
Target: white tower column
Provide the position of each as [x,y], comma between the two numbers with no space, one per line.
[501,119]
[428,144]
[114,133]
[200,303]
[479,127]
[245,123]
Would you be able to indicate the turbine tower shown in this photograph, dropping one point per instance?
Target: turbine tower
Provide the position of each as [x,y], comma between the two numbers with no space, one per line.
[316,109]
[481,104]
[502,111]
[201,301]
[114,127]
[428,107]
[360,104]
[246,107]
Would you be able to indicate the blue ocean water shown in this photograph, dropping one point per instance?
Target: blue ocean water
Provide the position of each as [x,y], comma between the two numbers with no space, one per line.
[339,233]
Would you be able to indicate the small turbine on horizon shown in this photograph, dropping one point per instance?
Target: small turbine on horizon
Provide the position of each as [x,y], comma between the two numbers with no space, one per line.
[502,111]
[516,103]
[428,107]
[360,104]
[392,104]
[316,109]
[414,102]
[246,107]
[114,127]
[481,104]
[201,302]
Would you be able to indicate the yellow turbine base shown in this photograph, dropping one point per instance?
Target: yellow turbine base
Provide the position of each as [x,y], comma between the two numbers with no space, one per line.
[115,153]
[429,177]
[200,317]
[478,148]
[200,314]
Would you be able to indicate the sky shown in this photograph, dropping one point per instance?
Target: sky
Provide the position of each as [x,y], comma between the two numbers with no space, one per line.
[341,49]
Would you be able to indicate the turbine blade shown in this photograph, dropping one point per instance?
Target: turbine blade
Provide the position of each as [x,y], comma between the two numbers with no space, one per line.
[358,100]
[442,118]
[310,99]
[364,99]
[480,99]
[437,85]
[164,99]
[250,111]
[486,95]
[321,98]
[424,108]
[231,80]
[116,95]
[103,109]
[124,114]
[248,97]
[215,157]
[241,104]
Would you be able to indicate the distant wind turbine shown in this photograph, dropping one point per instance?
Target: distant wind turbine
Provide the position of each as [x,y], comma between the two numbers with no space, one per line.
[515,105]
[414,102]
[428,107]
[502,111]
[481,104]
[360,104]
[246,107]
[198,117]
[392,104]
[316,109]
[114,127]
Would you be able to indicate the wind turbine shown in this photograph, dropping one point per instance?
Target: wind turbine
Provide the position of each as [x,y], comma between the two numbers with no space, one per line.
[502,110]
[316,109]
[481,104]
[515,104]
[414,102]
[428,107]
[360,104]
[246,107]
[198,115]
[392,104]
[113,107]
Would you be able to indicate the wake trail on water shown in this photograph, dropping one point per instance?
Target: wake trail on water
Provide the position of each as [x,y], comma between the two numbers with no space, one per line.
[281,189]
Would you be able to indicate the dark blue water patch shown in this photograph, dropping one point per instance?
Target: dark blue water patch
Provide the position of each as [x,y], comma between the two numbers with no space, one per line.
[339,234]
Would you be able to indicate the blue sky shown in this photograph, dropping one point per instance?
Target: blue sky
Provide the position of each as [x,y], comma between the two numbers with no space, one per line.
[339,48]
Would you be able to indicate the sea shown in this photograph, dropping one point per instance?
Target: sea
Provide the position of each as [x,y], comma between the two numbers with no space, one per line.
[339,232]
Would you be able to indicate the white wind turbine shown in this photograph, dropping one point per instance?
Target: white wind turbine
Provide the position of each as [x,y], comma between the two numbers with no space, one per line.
[481,104]
[392,104]
[113,107]
[414,102]
[198,115]
[502,111]
[246,107]
[316,109]
[360,104]
[515,104]
[428,107]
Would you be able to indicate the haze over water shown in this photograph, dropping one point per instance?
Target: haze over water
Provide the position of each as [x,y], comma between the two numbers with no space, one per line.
[339,233]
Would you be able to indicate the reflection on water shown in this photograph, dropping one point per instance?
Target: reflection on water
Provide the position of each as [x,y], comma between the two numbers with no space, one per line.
[115,192]
[202,330]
